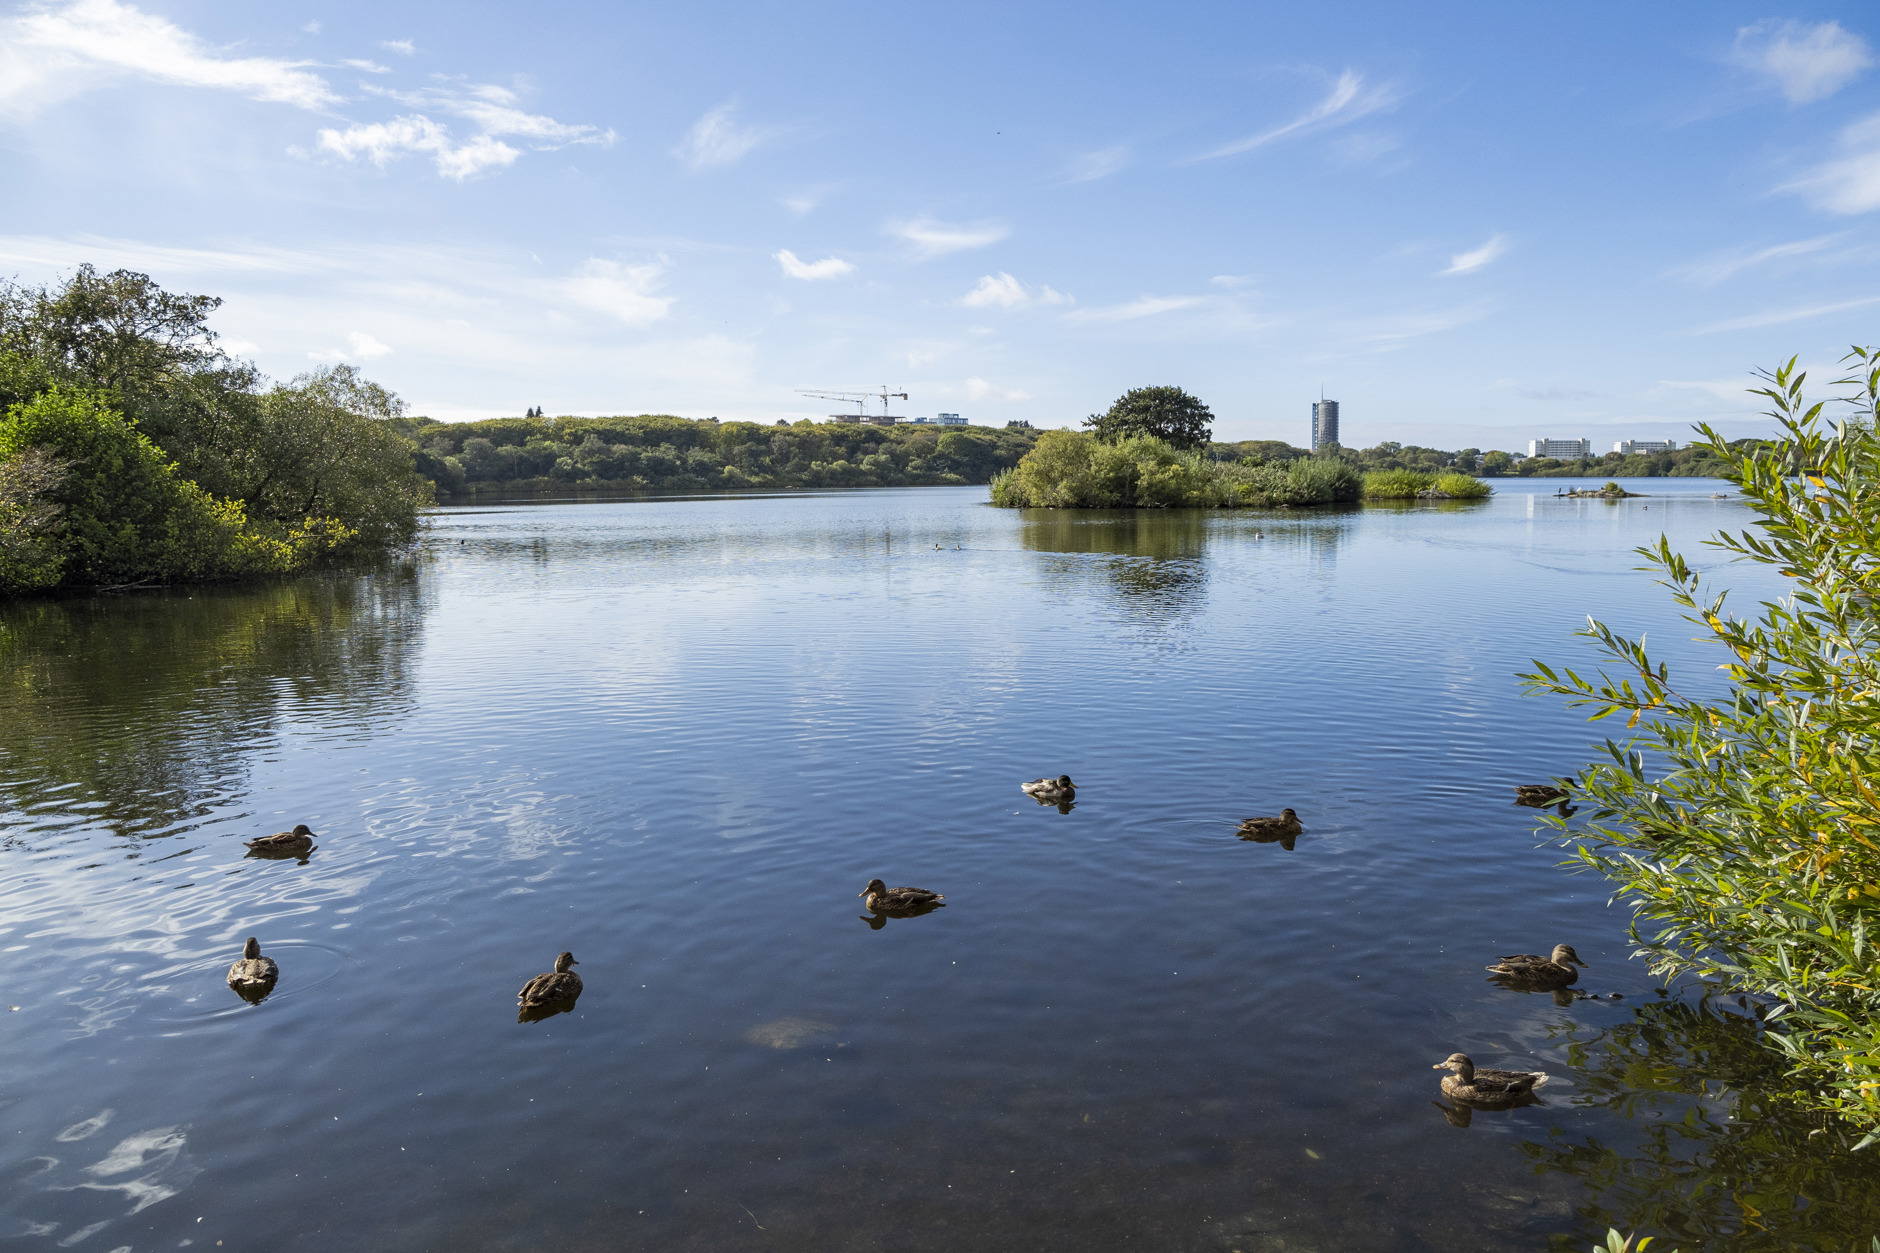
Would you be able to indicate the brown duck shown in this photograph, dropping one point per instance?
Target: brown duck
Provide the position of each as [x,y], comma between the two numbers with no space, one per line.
[295,843]
[252,976]
[1487,1087]
[1287,824]
[554,988]
[1533,970]
[879,898]
[1050,791]
[1543,795]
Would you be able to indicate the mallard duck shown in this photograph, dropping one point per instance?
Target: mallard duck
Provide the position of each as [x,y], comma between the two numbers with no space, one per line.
[1271,828]
[295,843]
[252,976]
[561,985]
[1535,970]
[879,898]
[1543,795]
[1486,1087]
[1050,791]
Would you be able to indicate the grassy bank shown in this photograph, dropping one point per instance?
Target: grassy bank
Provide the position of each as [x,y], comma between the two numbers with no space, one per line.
[1074,470]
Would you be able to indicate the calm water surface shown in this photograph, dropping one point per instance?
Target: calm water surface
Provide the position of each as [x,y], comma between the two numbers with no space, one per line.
[678,737]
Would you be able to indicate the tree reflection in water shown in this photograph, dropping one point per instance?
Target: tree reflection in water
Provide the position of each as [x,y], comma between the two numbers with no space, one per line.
[1723,1158]
[142,710]
[1160,566]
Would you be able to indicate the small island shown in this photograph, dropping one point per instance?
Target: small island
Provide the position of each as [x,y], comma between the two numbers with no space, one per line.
[1611,491]
[1146,452]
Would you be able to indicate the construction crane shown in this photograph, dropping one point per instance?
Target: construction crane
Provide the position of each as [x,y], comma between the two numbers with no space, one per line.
[858,399]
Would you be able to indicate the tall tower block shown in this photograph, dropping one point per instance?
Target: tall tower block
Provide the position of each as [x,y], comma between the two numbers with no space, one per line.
[1324,423]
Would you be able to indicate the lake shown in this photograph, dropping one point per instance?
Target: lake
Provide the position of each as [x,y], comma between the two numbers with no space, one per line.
[678,737]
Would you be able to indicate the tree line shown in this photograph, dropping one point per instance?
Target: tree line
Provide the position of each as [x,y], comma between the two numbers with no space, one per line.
[661,452]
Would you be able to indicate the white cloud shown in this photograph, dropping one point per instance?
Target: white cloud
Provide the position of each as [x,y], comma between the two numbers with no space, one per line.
[1851,183]
[1231,281]
[1390,333]
[622,291]
[1349,100]
[379,142]
[369,67]
[828,267]
[1003,291]
[716,140]
[931,238]
[312,27]
[1146,307]
[1806,62]
[1102,163]
[48,52]
[1777,317]
[403,47]
[359,347]
[1715,269]
[979,389]
[1469,262]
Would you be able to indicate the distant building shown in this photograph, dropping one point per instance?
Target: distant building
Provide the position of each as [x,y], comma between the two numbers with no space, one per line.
[1626,447]
[865,419]
[1562,449]
[1324,423]
[950,419]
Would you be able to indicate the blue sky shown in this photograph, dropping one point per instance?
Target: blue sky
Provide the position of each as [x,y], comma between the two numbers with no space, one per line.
[1470,223]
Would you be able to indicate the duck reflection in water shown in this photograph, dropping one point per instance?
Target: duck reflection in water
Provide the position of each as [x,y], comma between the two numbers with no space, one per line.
[549,994]
[253,976]
[293,845]
[884,902]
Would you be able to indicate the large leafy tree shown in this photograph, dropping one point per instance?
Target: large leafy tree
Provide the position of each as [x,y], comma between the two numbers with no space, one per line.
[1168,413]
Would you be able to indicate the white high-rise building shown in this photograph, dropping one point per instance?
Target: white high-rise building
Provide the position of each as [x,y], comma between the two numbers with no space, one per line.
[1563,449]
[1626,447]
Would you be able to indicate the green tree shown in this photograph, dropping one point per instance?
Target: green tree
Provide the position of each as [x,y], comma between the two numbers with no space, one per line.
[29,515]
[1746,830]
[1166,413]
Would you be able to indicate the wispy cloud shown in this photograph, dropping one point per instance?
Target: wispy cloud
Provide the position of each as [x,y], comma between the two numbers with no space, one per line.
[1777,317]
[47,53]
[979,389]
[1145,307]
[1003,291]
[828,267]
[716,139]
[1102,163]
[368,67]
[1851,182]
[931,238]
[1348,101]
[1715,269]
[381,142]
[1805,62]
[359,347]
[1476,258]
[403,47]
[491,109]
[1391,333]
[624,292]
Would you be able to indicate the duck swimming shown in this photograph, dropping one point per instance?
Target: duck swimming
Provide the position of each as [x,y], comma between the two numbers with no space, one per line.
[1533,970]
[1542,795]
[252,976]
[1050,791]
[1487,1087]
[295,843]
[555,988]
[879,898]
[1287,824]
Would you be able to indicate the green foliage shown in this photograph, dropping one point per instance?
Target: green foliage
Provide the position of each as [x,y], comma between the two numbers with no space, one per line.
[656,451]
[1168,414]
[124,515]
[1305,481]
[1396,484]
[29,513]
[1462,486]
[1746,830]
[1069,469]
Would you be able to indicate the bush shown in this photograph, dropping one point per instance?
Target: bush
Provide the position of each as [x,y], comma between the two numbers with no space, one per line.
[1746,830]
[124,513]
[1398,484]
[1071,470]
[1463,486]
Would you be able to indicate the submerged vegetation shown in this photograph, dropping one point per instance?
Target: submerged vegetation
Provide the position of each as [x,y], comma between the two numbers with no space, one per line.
[1746,830]
[1073,470]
